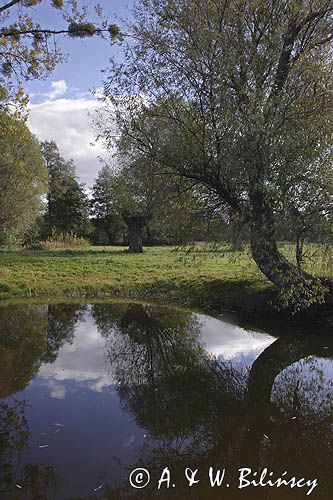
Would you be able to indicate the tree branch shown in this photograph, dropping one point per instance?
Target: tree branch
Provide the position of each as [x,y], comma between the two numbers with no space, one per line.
[283,64]
[288,45]
[14,33]
[9,5]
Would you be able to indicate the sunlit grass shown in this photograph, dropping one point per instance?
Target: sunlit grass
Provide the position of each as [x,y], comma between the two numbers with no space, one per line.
[207,276]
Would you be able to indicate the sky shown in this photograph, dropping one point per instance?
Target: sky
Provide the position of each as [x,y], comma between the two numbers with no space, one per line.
[62,106]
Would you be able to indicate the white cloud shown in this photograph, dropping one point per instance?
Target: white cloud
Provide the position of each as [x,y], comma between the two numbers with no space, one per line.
[225,339]
[80,364]
[58,88]
[57,391]
[69,123]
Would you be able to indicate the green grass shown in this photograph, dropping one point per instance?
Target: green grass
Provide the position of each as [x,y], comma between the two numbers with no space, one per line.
[205,278]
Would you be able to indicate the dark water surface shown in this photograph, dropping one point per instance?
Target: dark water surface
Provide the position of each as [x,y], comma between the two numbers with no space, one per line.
[89,393]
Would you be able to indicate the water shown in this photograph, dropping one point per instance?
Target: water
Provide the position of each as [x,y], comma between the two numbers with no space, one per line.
[90,393]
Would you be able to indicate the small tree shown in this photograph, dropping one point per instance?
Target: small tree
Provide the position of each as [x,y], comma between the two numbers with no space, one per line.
[145,200]
[67,203]
[106,219]
[152,201]
[137,197]
[307,207]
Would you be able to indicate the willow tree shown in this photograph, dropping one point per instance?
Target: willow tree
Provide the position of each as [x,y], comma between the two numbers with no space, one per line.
[154,204]
[140,194]
[245,91]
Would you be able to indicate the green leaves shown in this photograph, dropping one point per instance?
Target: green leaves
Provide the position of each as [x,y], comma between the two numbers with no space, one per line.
[30,3]
[23,176]
[67,204]
[115,32]
[58,4]
[6,68]
[81,30]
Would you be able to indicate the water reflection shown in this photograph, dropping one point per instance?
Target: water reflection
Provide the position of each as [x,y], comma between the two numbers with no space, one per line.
[87,393]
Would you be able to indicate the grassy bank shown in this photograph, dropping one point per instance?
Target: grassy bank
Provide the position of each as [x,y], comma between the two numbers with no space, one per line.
[203,277]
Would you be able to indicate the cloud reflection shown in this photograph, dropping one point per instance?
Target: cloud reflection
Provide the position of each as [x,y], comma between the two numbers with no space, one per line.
[82,363]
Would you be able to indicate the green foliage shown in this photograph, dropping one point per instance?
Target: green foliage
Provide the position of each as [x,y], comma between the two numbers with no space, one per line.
[115,32]
[297,298]
[9,238]
[32,237]
[81,30]
[23,178]
[107,221]
[58,4]
[67,203]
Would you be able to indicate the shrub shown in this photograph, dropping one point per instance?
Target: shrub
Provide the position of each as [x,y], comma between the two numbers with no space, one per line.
[9,238]
[66,240]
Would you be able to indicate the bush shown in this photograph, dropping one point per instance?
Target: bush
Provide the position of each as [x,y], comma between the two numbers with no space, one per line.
[32,237]
[9,238]
[36,245]
[66,240]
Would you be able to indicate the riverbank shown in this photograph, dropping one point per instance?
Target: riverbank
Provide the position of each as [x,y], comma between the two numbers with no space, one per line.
[205,277]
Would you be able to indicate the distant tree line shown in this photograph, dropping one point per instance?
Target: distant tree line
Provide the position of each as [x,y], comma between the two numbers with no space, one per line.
[42,199]
[134,204]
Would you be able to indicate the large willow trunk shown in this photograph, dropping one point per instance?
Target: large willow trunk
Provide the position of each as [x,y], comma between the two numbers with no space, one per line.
[298,288]
[135,224]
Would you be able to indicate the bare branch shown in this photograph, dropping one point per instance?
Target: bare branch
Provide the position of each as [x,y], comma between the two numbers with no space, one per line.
[9,5]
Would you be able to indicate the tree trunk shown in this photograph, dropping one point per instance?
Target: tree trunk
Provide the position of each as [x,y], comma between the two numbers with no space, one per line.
[148,236]
[298,288]
[111,238]
[277,357]
[135,224]
[299,250]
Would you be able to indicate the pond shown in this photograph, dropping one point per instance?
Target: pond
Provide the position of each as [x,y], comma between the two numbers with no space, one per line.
[90,393]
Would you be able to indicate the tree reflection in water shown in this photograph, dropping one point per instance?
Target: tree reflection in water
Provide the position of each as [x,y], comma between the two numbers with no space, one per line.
[201,412]
[29,335]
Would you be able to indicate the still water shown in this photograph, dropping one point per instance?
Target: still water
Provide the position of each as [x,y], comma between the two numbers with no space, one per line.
[90,393]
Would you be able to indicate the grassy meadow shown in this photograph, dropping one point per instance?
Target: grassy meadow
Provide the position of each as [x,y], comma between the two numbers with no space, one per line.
[205,276]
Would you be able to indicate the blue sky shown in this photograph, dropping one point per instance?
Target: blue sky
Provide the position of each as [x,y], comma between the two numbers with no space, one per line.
[62,106]
[86,57]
